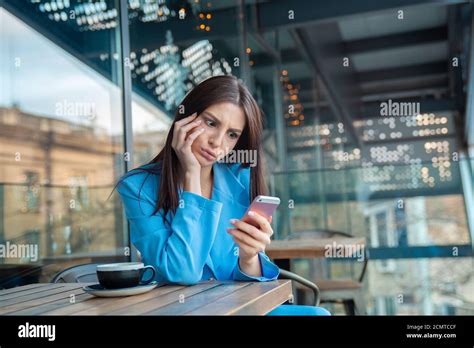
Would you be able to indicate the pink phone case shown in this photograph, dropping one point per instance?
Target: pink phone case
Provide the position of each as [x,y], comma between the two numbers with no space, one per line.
[263,205]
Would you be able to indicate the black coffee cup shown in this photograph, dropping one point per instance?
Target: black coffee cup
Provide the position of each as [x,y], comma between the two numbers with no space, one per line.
[123,274]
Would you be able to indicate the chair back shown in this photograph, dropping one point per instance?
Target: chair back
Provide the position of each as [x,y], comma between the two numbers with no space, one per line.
[317,234]
[77,274]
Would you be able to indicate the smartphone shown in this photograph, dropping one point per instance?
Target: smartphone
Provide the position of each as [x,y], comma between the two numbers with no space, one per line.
[263,205]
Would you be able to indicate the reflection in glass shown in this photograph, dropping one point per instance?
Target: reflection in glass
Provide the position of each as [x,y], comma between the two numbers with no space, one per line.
[61,135]
[174,47]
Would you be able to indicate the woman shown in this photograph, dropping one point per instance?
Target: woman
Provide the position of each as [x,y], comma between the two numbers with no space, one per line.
[184,205]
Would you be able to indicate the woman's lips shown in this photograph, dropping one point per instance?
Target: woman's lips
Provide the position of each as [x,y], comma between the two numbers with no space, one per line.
[207,155]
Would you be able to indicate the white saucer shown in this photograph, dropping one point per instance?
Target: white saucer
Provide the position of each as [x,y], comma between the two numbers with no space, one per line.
[99,291]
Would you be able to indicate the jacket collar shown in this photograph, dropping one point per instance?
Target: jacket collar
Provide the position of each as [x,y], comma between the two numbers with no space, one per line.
[231,184]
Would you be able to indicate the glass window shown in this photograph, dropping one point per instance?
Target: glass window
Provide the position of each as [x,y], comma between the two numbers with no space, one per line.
[173,48]
[424,286]
[31,194]
[345,165]
[381,229]
[61,135]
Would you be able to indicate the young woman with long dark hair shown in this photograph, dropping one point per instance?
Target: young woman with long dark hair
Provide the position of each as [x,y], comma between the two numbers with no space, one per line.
[184,205]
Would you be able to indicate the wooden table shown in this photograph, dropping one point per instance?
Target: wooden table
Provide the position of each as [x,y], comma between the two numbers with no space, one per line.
[205,298]
[308,248]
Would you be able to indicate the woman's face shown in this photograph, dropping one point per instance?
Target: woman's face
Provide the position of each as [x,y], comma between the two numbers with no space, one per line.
[223,125]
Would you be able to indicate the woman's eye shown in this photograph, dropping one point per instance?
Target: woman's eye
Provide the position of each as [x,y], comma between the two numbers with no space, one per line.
[233,135]
[210,123]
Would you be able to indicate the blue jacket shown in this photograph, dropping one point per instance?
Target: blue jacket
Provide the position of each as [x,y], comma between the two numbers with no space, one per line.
[196,246]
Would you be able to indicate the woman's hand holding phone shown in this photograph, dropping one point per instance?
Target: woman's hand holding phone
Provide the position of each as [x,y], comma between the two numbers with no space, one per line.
[253,232]
[252,236]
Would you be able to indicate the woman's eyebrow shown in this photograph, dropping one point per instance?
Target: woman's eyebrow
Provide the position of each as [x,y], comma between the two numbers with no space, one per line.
[216,120]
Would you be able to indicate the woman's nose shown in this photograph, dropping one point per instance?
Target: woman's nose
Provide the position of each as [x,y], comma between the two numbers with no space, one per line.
[216,139]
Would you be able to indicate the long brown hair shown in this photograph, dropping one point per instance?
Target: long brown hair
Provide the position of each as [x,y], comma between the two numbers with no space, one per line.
[212,91]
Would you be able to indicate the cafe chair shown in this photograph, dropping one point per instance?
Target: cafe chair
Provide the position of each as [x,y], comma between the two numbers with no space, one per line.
[348,292]
[85,273]
[284,274]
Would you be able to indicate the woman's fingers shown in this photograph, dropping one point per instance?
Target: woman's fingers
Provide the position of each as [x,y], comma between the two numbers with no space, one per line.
[181,128]
[185,120]
[261,221]
[184,133]
[255,234]
[191,136]
[260,235]
[246,239]
[245,249]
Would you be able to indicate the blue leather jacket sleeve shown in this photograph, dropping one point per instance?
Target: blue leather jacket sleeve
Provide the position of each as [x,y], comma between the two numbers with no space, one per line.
[179,251]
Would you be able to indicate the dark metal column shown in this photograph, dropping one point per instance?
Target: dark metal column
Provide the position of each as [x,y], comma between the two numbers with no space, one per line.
[466,162]
[126,97]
